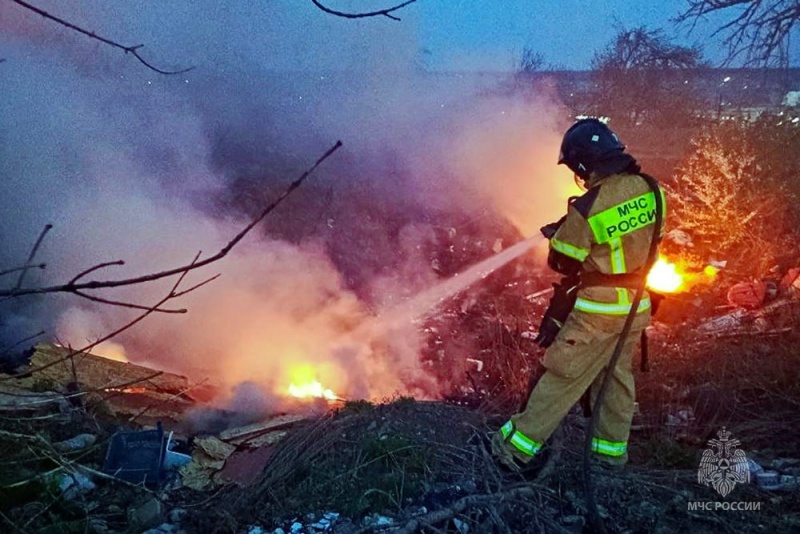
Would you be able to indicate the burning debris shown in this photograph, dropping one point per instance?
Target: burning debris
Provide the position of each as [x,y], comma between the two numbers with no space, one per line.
[124,390]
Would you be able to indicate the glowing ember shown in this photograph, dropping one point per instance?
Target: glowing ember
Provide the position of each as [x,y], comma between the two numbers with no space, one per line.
[664,277]
[311,390]
[710,271]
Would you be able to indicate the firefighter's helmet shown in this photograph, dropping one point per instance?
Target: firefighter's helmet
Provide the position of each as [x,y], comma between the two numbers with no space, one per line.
[586,143]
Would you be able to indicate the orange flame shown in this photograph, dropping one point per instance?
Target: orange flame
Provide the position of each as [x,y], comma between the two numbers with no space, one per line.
[677,276]
[312,390]
[664,277]
[304,385]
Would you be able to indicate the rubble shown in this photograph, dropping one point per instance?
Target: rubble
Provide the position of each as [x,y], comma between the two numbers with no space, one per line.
[58,379]
[81,441]
[236,454]
[775,318]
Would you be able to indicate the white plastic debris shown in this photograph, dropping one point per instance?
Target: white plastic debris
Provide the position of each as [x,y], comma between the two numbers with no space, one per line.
[768,480]
[74,484]
[377,520]
[174,459]
[680,238]
[754,468]
[81,441]
[478,364]
[326,522]
[681,418]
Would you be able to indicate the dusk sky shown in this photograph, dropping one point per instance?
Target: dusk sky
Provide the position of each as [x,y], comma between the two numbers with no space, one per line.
[470,34]
[444,35]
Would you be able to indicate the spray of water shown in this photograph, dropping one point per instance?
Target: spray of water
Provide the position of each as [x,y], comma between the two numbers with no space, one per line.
[423,303]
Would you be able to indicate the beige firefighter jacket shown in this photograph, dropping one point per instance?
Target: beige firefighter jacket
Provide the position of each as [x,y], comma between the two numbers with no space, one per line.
[609,230]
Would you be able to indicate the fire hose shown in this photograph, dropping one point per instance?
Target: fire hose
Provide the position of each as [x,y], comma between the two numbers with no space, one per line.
[591,504]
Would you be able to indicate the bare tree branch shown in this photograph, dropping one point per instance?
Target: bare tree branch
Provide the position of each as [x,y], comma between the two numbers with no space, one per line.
[381,12]
[133,50]
[35,248]
[93,269]
[123,304]
[196,286]
[131,305]
[759,32]
[73,286]
[88,348]
[23,268]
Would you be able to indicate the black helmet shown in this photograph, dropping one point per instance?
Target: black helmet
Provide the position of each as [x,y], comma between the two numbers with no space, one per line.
[586,143]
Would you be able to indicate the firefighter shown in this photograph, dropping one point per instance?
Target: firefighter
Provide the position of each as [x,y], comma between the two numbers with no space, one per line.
[601,247]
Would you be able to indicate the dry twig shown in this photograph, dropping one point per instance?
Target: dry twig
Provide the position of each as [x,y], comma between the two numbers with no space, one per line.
[759,31]
[133,50]
[379,13]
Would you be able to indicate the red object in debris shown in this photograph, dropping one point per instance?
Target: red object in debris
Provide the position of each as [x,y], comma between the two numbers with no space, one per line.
[791,278]
[244,467]
[747,294]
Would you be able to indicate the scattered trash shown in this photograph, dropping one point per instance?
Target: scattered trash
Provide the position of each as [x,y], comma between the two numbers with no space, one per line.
[461,526]
[768,480]
[146,515]
[478,364]
[377,520]
[679,237]
[81,441]
[208,458]
[681,418]
[73,485]
[748,295]
[136,456]
[326,522]
[173,459]
[754,468]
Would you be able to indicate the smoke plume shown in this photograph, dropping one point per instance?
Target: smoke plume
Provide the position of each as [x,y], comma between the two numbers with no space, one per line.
[151,169]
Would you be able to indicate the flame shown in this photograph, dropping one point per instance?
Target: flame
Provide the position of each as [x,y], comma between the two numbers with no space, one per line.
[664,277]
[312,390]
[304,384]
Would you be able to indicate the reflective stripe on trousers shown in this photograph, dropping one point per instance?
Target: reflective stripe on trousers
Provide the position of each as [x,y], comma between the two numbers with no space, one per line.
[609,448]
[520,441]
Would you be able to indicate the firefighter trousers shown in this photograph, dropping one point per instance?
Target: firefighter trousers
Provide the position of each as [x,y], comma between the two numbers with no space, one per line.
[577,360]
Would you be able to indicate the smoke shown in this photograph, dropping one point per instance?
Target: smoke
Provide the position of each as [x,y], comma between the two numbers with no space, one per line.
[150,169]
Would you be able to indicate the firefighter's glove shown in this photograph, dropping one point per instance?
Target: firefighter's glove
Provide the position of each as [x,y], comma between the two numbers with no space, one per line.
[548,331]
[549,230]
[561,304]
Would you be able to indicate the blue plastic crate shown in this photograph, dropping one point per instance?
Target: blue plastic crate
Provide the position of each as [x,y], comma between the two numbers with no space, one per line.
[137,456]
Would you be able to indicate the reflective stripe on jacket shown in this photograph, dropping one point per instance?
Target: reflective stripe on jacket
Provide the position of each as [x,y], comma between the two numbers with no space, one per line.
[609,230]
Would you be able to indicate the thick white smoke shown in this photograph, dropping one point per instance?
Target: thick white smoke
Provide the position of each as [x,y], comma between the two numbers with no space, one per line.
[131,165]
